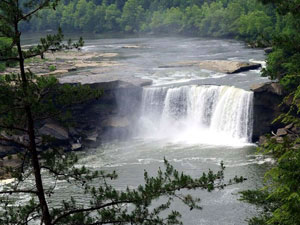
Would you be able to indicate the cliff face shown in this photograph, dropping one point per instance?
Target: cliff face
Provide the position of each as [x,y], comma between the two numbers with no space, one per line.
[93,122]
[267,107]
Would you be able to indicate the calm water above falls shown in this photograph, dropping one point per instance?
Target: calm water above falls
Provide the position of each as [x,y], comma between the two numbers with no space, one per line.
[195,126]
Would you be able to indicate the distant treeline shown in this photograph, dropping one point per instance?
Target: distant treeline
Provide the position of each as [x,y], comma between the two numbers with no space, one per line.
[246,19]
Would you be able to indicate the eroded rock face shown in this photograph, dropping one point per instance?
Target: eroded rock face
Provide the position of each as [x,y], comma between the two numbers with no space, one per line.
[109,117]
[54,130]
[223,66]
[267,107]
[94,122]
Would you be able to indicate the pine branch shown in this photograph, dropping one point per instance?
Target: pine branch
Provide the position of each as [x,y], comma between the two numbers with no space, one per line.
[76,211]
[41,6]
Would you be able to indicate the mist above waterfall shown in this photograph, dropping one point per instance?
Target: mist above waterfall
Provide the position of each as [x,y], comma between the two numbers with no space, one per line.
[213,115]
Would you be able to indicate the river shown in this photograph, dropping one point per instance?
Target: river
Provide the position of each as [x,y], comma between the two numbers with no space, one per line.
[179,121]
[195,118]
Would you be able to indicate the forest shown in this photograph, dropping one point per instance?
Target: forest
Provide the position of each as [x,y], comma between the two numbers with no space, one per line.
[246,19]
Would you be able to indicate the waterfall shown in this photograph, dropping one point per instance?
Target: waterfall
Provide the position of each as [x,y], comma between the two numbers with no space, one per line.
[201,114]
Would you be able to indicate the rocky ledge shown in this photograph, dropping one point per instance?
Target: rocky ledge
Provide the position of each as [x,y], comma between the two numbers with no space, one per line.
[63,62]
[222,66]
[267,107]
[94,122]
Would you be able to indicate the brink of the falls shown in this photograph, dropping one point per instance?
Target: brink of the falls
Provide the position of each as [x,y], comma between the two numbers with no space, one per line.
[214,115]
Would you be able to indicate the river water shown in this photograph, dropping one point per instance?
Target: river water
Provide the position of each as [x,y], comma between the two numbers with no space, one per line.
[194,118]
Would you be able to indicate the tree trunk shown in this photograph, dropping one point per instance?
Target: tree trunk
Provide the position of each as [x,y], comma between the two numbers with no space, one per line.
[46,218]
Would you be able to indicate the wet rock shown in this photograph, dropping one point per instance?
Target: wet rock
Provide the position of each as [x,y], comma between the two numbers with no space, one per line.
[223,66]
[268,50]
[106,82]
[76,146]
[281,132]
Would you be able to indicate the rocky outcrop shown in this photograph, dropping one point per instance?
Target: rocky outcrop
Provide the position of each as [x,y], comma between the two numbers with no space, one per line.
[289,132]
[55,131]
[267,107]
[93,122]
[223,66]
[109,117]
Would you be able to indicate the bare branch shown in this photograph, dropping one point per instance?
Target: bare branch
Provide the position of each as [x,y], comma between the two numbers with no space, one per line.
[17,192]
[3,138]
[13,128]
[9,59]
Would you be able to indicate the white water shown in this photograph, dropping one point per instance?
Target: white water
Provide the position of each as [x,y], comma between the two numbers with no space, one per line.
[214,115]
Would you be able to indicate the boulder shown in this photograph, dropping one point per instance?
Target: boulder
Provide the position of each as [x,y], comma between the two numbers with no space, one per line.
[269,87]
[281,132]
[54,130]
[268,50]
[76,146]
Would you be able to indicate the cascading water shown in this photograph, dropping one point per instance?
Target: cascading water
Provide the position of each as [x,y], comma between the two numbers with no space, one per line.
[197,114]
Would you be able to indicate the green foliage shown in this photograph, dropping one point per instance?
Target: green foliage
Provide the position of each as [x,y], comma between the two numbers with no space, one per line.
[132,16]
[247,19]
[279,199]
[52,68]
[7,51]
[255,24]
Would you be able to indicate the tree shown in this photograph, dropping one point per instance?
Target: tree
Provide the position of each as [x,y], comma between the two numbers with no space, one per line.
[279,199]
[132,16]
[26,99]
[112,16]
